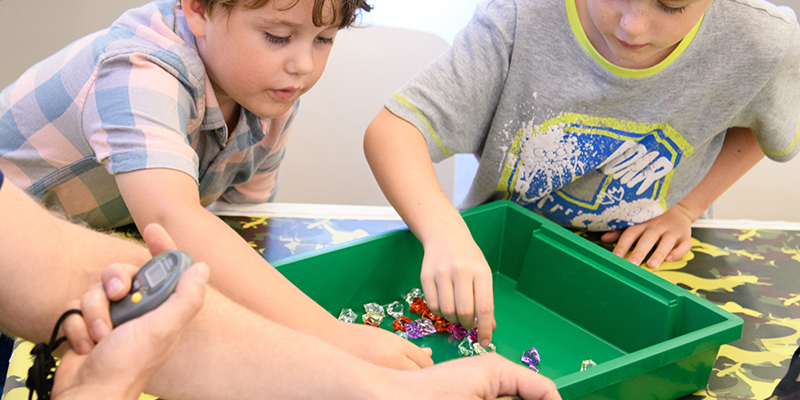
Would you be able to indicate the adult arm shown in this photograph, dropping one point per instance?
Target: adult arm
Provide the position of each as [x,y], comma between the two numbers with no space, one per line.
[46,261]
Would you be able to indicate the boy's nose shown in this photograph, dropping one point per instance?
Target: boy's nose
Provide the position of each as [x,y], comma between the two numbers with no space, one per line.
[301,62]
[634,20]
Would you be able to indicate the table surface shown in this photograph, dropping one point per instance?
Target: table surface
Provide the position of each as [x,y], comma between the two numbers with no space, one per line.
[749,268]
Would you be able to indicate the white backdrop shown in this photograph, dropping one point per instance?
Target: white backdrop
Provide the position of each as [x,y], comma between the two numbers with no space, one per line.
[33,29]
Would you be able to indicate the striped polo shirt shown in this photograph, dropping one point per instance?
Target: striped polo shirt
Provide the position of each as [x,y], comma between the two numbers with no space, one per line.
[131,97]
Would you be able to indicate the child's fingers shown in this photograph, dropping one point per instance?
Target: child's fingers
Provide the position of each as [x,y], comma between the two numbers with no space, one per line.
[626,240]
[612,236]
[681,248]
[116,280]
[76,331]
[429,288]
[465,301]
[645,243]
[484,305]
[419,356]
[447,303]
[157,239]
[94,307]
[665,246]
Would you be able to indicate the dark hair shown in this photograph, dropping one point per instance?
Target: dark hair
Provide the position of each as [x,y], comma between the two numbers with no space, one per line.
[348,12]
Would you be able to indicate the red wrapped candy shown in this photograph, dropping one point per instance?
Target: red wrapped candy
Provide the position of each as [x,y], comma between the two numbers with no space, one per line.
[400,323]
[442,325]
[418,306]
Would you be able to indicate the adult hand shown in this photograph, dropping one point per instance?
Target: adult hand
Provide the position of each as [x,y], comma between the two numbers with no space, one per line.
[124,359]
[457,283]
[672,231]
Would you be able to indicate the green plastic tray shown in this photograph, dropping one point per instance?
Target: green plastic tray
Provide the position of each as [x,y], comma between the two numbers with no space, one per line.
[553,290]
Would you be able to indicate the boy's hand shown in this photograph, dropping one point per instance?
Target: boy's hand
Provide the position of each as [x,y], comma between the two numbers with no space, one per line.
[379,346]
[671,230]
[457,283]
[488,376]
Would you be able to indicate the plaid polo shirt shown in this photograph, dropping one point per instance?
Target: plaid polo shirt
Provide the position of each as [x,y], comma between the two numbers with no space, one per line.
[131,97]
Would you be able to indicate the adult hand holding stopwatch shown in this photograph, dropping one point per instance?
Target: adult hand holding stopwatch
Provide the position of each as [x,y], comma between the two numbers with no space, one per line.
[118,363]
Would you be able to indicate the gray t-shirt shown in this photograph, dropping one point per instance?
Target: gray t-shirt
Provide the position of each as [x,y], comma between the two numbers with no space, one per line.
[563,132]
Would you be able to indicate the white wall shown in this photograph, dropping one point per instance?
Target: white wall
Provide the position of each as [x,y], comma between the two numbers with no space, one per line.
[324,161]
[770,191]
[32,29]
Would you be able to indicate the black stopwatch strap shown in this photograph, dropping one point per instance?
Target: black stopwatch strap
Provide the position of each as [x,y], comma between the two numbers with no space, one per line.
[41,374]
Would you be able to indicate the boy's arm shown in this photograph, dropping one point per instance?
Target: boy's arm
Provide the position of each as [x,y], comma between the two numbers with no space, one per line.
[672,230]
[170,198]
[456,278]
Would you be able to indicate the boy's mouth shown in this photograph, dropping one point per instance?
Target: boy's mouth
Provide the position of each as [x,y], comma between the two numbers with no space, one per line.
[630,46]
[285,93]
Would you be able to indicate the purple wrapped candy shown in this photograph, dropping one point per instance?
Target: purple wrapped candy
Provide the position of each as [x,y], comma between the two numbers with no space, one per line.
[414,331]
[458,331]
[531,357]
[473,334]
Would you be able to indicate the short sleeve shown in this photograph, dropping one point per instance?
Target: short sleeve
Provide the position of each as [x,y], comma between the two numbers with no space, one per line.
[1,179]
[137,116]
[267,157]
[774,113]
[452,101]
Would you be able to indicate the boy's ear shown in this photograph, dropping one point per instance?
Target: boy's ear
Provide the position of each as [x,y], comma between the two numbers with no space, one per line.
[196,16]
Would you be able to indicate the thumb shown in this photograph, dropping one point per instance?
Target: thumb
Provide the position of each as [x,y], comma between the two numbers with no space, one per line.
[157,239]
[168,319]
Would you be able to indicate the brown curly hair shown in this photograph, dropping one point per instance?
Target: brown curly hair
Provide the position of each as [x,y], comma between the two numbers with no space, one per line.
[348,12]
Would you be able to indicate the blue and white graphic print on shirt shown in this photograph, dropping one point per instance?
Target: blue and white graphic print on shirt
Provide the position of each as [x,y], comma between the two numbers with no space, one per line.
[628,165]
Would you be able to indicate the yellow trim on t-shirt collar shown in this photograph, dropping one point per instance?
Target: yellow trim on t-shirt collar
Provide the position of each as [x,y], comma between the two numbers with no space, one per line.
[580,34]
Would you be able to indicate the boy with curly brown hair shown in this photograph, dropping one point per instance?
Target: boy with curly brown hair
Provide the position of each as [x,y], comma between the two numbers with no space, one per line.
[173,107]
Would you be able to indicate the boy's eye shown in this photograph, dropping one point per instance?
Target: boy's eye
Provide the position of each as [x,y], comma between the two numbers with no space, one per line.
[671,10]
[277,39]
[328,41]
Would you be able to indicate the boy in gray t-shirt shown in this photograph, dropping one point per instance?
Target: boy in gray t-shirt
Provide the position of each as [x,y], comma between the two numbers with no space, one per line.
[624,116]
